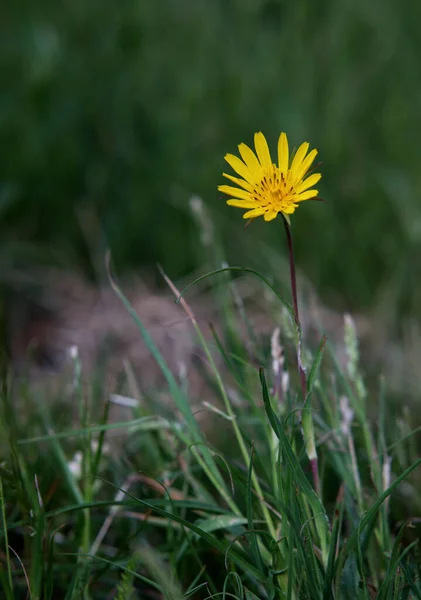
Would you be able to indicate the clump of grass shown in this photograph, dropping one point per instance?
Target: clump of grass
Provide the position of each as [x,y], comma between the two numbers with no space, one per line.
[235,513]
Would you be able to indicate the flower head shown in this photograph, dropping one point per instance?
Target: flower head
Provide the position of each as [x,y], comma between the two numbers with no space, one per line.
[266,188]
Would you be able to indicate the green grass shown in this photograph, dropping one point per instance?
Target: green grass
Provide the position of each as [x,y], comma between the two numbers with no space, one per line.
[155,506]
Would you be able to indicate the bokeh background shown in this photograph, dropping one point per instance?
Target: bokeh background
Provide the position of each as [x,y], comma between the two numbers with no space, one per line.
[113,114]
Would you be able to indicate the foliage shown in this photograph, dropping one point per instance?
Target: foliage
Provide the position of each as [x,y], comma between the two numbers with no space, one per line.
[175,511]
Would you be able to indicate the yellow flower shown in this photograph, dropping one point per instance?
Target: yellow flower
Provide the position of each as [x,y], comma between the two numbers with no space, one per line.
[266,188]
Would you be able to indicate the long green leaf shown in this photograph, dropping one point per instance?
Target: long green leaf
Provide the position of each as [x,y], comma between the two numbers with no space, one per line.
[221,546]
[243,270]
[149,423]
[253,540]
[293,463]
[221,522]
[330,568]
[371,513]
[179,398]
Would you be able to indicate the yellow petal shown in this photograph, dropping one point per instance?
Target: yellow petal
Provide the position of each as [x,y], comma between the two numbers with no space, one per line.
[249,158]
[307,195]
[289,209]
[242,203]
[309,182]
[234,192]
[299,157]
[270,215]
[252,214]
[262,150]
[239,167]
[241,182]
[305,165]
[283,153]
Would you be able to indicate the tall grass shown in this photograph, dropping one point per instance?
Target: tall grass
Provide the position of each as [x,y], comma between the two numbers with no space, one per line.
[172,510]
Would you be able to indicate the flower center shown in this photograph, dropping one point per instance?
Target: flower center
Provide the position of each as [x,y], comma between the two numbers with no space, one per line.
[274,189]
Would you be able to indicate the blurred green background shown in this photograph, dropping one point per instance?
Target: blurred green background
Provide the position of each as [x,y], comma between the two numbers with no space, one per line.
[113,114]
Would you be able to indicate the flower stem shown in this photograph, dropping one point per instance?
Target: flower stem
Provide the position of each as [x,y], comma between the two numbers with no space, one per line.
[293,278]
[301,370]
